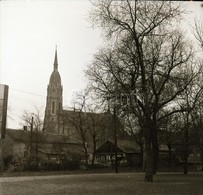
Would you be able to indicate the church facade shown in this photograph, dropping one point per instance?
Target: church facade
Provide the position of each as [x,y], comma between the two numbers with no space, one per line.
[54,102]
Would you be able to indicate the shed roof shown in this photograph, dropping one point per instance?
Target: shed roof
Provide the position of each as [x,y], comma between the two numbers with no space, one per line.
[123,146]
[25,136]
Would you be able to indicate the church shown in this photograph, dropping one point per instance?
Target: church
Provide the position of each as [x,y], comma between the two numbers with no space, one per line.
[84,126]
[54,102]
[70,135]
[73,135]
[92,129]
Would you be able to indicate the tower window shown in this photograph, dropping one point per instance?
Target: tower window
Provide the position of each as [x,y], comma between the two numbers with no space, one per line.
[53,108]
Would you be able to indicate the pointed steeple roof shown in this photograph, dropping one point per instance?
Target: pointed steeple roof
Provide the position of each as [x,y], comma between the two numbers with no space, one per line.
[56,60]
[55,76]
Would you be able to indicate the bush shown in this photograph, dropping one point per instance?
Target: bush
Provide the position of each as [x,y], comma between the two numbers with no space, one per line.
[59,166]
[98,165]
[71,165]
[8,160]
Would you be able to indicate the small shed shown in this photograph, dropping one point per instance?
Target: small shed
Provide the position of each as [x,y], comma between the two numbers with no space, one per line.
[128,153]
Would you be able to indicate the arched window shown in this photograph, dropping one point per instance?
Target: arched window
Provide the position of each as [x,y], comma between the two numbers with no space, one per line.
[53,107]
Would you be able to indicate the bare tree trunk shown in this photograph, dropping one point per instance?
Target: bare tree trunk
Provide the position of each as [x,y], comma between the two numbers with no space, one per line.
[201,156]
[86,155]
[1,158]
[186,153]
[142,156]
[36,150]
[94,150]
[155,157]
[148,159]
[148,150]
[155,149]
[185,166]
[169,156]
[93,158]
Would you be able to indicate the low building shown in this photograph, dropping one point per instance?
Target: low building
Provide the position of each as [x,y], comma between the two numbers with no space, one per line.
[20,146]
[128,154]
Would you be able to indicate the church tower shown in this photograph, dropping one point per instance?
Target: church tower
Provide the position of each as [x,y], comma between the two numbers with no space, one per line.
[54,101]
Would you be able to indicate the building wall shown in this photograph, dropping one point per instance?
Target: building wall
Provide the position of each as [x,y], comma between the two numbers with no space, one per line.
[20,150]
[6,146]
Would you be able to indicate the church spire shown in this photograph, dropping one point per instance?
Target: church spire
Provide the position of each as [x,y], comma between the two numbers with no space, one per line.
[56,60]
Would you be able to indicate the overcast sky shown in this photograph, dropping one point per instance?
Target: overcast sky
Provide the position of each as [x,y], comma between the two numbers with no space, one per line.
[29,32]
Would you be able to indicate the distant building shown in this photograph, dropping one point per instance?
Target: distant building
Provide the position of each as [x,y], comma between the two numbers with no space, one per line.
[45,147]
[128,153]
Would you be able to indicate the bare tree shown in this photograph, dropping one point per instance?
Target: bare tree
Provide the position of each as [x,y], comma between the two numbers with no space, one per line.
[96,124]
[197,116]
[190,98]
[133,129]
[89,122]
[168,133]
[198,32]
[183,125]
[33,122]
[77,120]
[37,119]
[148,60]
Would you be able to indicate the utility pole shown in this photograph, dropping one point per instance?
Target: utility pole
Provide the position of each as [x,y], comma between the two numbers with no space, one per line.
[31,136]
[3,117]
[114,121]
[115,131]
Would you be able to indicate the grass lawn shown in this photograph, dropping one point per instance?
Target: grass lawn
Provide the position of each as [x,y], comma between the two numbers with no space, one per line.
[103,183]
